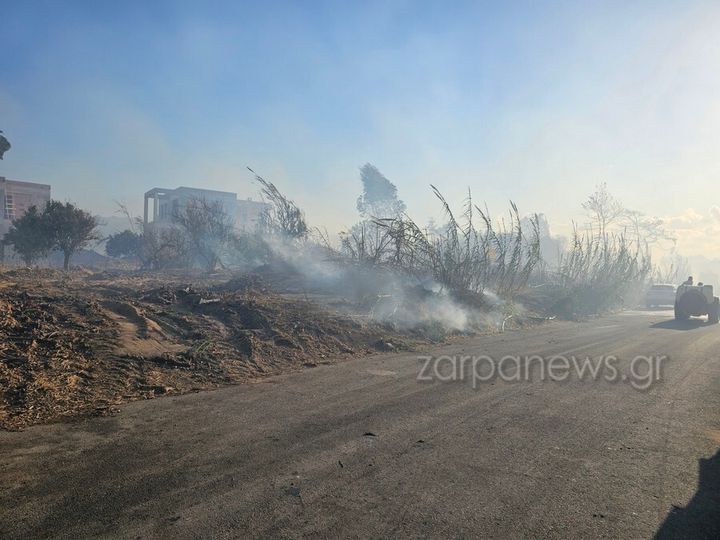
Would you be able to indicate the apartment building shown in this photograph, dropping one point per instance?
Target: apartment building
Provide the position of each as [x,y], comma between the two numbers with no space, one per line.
[16,197]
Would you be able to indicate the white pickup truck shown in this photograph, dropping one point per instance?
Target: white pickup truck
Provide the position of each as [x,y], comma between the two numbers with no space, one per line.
[660,294]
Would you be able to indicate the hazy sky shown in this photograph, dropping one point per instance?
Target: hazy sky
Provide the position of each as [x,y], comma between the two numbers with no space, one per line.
[531,101]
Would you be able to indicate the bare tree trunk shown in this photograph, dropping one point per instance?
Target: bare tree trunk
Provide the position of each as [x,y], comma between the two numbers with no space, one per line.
[66,260]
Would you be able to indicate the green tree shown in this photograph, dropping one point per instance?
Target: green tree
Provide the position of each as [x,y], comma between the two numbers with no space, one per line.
[379,198]
[124,244]
[30,236]
[71,228]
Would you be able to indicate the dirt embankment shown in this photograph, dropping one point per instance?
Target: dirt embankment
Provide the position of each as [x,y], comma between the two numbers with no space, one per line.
[80,345]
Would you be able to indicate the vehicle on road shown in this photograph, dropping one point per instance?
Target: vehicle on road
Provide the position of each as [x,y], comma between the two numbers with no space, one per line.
[661,294]
[696,301]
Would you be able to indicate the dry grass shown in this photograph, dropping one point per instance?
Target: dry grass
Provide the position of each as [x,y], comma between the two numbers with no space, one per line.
[463,258]
[594,275]
[76,344]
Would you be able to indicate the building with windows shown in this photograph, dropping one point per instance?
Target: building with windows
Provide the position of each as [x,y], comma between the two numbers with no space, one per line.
[160,204]
[16,197]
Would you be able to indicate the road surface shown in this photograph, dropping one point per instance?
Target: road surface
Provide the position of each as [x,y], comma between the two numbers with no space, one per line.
[363,449]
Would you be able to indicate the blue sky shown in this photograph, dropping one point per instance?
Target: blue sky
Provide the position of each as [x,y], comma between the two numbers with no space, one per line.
[531,101]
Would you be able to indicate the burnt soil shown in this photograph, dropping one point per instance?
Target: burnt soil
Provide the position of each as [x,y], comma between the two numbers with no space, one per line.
[80,344]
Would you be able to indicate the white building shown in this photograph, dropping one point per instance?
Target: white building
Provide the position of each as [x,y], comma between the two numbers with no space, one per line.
[161,204]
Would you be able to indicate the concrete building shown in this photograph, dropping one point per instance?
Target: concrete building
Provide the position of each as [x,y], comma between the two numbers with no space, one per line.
[160,204]
[16,197]
[248,213]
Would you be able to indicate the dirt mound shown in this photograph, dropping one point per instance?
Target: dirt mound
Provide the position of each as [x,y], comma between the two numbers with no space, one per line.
[81,345]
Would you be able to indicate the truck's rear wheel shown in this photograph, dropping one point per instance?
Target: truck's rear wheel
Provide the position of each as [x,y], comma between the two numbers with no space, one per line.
[679,315]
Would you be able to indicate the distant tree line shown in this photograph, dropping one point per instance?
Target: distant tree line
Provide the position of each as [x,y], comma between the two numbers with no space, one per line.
[609,216]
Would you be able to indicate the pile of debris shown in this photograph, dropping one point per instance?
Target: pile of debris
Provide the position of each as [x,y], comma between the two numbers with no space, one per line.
[81,346]
[48,351]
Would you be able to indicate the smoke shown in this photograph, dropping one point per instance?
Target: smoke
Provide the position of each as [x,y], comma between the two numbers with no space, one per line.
[383,294]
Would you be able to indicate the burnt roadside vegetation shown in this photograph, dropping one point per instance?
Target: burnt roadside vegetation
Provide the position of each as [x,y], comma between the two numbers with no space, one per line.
[200,305]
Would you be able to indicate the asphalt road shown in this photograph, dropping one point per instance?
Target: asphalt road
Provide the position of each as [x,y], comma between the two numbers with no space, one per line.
[294,455]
